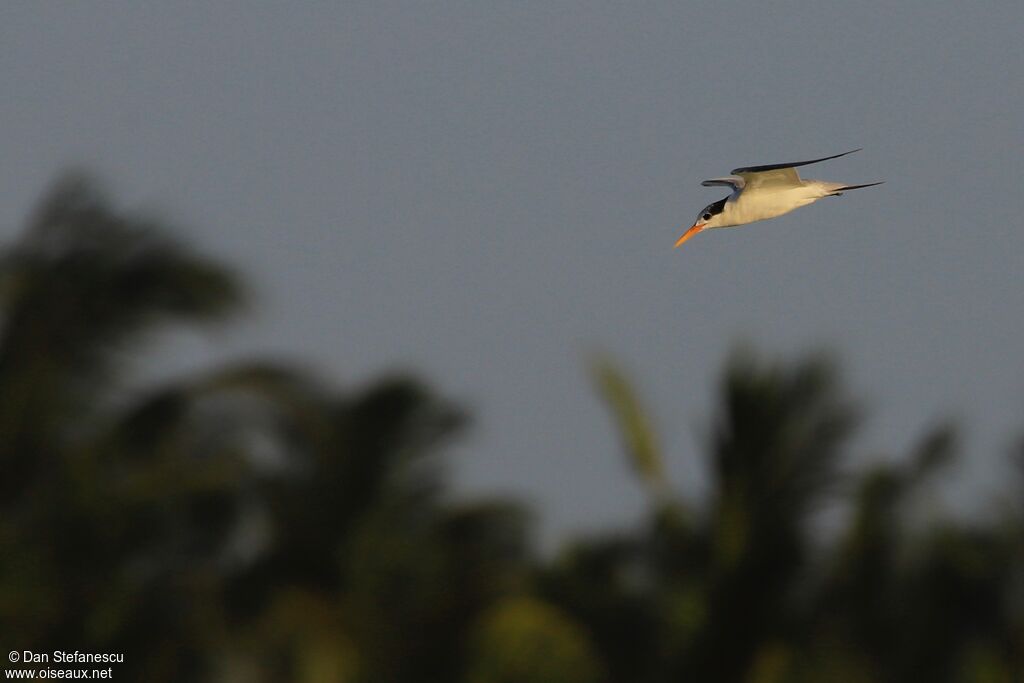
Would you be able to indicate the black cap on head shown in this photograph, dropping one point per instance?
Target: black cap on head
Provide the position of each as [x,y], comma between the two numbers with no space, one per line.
[716,208]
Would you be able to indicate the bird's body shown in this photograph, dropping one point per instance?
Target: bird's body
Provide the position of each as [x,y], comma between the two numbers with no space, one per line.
[758,204]
[763,192]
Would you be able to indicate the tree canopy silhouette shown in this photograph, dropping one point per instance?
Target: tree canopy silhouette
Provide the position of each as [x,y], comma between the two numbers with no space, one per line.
[257,522]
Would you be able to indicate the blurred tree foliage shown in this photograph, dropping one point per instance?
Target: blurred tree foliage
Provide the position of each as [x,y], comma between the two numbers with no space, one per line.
[254,523]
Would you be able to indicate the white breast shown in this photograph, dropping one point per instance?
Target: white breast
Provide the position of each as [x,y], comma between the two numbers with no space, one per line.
[758,204]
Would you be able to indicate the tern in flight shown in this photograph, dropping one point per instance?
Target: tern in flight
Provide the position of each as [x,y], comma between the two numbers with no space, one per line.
[762,192]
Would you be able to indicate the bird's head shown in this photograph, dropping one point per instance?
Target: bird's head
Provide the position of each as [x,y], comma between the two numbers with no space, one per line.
[709,217]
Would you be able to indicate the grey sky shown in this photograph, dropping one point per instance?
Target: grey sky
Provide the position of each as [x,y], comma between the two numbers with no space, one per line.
[484,191]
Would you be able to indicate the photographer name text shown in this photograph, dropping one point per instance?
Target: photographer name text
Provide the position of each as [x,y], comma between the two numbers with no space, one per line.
[63,657]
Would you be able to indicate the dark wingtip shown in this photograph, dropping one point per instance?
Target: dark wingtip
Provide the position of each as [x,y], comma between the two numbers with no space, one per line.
[794,164]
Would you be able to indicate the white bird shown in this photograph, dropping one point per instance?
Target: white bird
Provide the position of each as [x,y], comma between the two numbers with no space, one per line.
[762,192]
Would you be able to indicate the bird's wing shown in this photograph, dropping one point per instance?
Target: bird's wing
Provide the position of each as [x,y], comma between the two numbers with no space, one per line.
[779,174]
[735,182]
[780,177]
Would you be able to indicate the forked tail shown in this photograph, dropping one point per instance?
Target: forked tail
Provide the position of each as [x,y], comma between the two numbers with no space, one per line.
[838,191]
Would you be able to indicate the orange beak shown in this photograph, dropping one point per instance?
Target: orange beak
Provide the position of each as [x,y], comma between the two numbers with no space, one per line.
[694,229]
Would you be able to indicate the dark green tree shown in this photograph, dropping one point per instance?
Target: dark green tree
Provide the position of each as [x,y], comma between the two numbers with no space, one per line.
[253,521]
[245,522]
